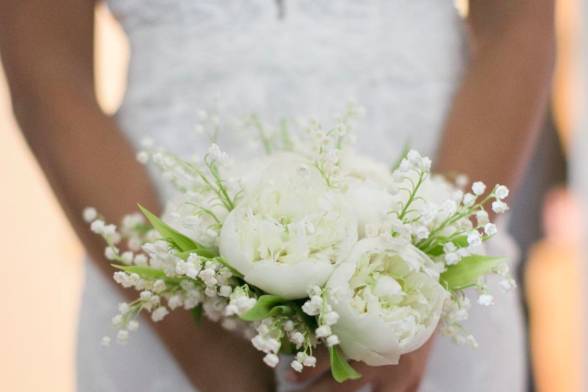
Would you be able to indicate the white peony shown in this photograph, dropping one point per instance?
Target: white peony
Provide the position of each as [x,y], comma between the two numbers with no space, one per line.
[437,190]
[370,190]
[371,205]
[388,298]
[367,170]
[290,230]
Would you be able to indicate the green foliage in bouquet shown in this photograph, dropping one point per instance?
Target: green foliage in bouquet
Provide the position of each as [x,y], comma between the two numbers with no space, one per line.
[341,370]
[468,271]
[180,241]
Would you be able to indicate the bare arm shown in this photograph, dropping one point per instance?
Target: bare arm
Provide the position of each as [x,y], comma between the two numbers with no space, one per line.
[488,135]
[499,108]
[47,51]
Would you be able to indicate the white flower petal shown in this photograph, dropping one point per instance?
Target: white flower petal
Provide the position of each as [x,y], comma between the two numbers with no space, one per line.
[366,336]
[288,280]
[371,204]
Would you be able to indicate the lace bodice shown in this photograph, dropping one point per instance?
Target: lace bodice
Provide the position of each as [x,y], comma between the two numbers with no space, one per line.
[400,58]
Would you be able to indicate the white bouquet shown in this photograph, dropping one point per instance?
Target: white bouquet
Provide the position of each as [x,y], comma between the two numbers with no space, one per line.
[312,244]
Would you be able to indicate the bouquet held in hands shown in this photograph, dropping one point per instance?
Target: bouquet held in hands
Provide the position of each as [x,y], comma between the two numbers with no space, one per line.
[311,244]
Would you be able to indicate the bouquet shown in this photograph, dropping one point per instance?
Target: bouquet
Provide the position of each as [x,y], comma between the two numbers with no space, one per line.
[311,244]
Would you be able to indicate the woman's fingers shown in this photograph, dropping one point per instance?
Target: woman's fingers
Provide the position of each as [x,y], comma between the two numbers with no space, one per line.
[404,377]
[309,373]
[327,384]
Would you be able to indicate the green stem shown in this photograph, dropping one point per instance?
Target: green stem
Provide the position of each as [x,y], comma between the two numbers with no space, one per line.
[412,195]
[220,193]
[265,141]
[452,219]
[213,170]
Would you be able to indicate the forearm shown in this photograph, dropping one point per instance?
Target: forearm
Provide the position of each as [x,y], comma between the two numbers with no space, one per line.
[499,108]
[86,159]
[47,53]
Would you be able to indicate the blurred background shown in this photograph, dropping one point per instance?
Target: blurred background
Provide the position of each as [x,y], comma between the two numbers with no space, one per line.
[39,310]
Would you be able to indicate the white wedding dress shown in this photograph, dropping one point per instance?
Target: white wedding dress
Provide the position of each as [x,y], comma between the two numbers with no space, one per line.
[401,59]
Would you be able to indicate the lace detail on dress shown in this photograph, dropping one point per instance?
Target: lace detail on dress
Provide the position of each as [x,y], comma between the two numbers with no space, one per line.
[401,59]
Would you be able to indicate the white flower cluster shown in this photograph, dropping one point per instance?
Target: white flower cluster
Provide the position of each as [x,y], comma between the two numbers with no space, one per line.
[272,331]
[438,216]
[150,299]
[204,178]
[239,301]
[317,305]
[455,312]
[209,123]
[325,147]
[313,245]
[165,279]
[268,341]
[205,196]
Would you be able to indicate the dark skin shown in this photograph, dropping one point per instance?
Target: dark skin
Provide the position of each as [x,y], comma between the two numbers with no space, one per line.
[47,51]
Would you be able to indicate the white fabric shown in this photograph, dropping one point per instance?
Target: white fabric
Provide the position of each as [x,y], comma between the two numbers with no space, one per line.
[401,59]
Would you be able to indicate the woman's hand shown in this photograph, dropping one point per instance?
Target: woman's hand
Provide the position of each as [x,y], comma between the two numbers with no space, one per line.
[214,359]
[404,377]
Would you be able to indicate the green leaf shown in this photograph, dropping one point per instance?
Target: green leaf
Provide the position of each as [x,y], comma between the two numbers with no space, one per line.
[209,253]
[467,272]
[148,273]
[403,154]
[280,310]
[340,368]
[262,308]
[197,314]
[179,240]
[143,271]
[460,242]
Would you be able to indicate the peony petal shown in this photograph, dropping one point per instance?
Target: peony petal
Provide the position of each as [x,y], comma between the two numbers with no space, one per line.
[237,251]
[289,281]
[370,204]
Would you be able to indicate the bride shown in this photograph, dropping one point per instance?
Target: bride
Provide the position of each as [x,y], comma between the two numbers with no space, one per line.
[470,93]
